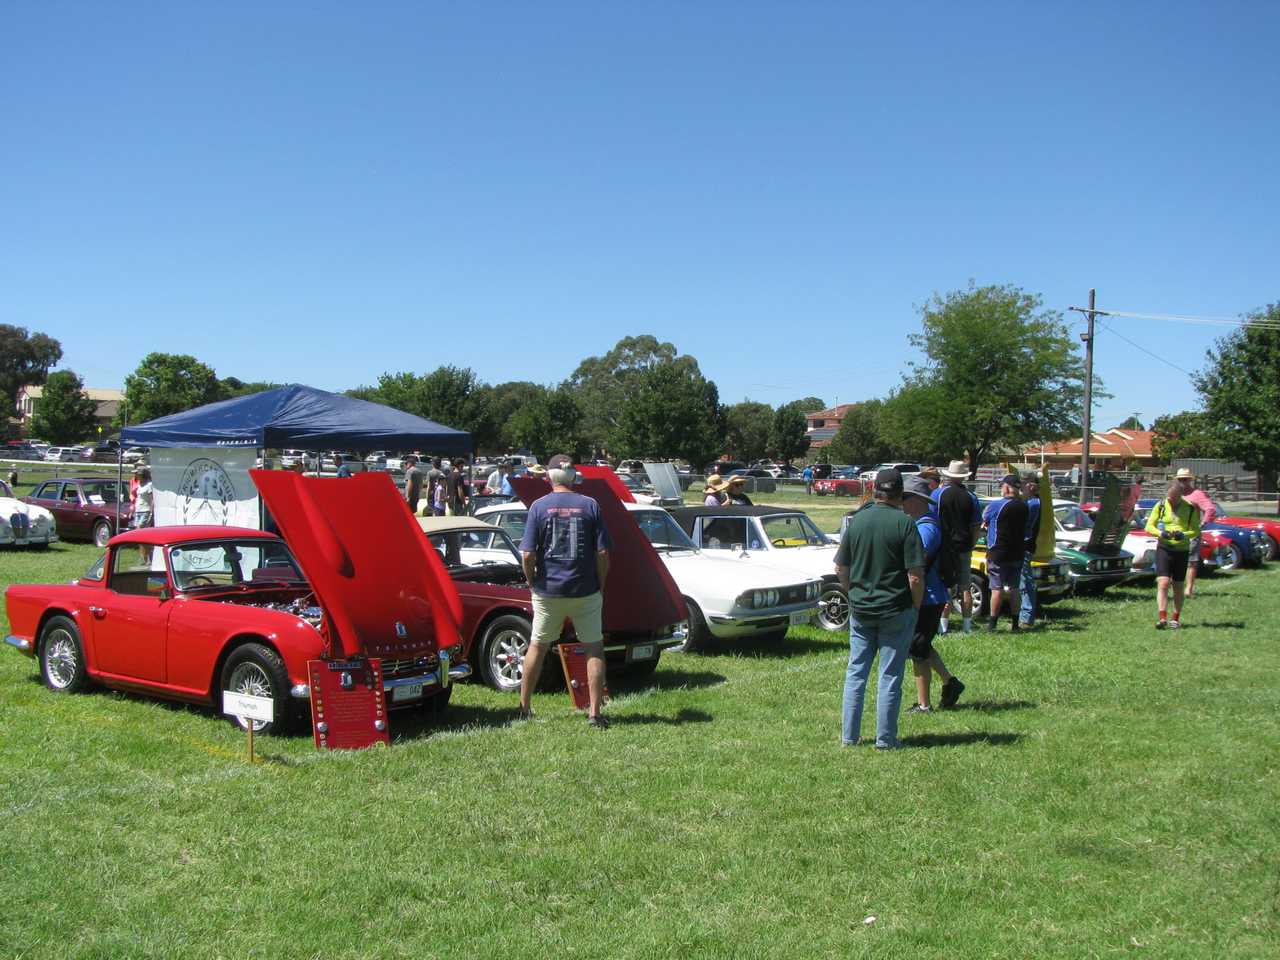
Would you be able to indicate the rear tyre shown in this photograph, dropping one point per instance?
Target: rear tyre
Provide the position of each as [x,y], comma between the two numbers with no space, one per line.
[698,633]
[502,652]
[101,533]
[257,671]
[1273,548]
[979,597]
[833,608]
[62,656]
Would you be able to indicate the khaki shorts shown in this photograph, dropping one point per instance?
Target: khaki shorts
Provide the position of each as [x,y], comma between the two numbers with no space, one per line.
[550,613]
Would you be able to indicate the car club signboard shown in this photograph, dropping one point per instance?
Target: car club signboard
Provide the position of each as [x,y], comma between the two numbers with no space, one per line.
[348,709]
[195,486]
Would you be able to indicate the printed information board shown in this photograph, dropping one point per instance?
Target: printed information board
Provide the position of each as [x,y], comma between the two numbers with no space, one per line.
[348,709]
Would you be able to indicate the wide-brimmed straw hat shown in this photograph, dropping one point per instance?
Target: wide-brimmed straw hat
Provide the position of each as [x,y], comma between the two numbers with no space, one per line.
[1184,474]
[956,470]
[716,483]
[739,478]
[537,470]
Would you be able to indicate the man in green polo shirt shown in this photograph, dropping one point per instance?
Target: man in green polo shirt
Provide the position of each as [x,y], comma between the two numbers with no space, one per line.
[880,563]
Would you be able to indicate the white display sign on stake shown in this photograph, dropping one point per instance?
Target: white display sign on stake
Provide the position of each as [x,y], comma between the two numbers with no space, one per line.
[248,708]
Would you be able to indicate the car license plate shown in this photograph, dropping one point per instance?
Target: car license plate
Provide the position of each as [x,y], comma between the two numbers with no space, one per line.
[644,652]
[409,691]
[801,616]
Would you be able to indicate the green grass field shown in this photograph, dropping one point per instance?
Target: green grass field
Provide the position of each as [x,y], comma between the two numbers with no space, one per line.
[1103,790]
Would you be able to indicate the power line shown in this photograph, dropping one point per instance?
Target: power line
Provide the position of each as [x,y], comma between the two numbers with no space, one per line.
[1175,318]
[1139,346]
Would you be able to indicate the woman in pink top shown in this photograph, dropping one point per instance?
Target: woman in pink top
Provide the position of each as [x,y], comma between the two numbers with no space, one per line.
[1207,512]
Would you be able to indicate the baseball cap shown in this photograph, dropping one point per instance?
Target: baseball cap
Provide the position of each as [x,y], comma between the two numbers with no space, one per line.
[1011,479]
[1030,476]
[560,469]
[917,487]
[888,481]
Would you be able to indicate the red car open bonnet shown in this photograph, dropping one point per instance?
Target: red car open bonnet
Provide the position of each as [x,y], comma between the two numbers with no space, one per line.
[640,596]
[386,591]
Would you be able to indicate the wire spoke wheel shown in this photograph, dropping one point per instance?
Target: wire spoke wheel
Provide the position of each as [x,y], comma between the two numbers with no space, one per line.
[62,659]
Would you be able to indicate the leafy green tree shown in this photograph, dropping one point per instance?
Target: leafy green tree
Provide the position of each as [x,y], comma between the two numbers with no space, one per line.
[747,428]
[807,405]
[1131,423]
[232,387]
[672,412]
[998,371]
[1187,434]
[913,424]
[64,414]
[788,437]
[603,385]
[166,383]
[25,360]
[550,422]
[1241,392]
[451,396]
[858,439]
[507,400]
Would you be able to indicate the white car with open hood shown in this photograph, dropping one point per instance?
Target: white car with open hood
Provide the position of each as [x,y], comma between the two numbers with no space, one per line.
[726,599]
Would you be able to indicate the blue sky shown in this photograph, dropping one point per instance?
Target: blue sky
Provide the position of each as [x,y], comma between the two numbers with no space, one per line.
[324,192]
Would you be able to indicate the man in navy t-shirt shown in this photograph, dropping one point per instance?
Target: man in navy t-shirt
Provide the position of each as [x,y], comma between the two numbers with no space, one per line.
[1031,495]
[1006,523]
[565,553]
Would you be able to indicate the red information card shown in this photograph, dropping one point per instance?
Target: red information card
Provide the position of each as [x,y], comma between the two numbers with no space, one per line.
[348,709]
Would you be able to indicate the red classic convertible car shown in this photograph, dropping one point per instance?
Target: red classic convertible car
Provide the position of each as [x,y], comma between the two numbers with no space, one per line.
[838,487]
[187,612]
[643,610]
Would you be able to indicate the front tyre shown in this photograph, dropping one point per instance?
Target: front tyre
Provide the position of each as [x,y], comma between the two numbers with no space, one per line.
[1229,556]
[101,533]
[502,651]
[699,635]
[833,608]
[1273,548]
[257,671]
[62,656]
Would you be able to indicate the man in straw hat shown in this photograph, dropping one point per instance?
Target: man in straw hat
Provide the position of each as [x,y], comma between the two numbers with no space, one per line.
[737,492]
[565,554]
[1208,510]
[960,517]
[715,487]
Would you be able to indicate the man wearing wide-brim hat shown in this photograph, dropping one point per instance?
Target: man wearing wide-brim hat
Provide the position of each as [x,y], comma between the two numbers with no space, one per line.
[960,516]
[1208,510]
[716,485]
[737,492]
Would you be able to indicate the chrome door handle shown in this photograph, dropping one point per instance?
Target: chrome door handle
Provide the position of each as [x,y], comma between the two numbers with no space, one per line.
[98,612]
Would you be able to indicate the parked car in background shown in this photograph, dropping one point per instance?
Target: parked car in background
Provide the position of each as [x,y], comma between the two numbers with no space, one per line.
[906,469]
[136,454]
[775,536]
[84,508]
[1268,531]
[21,450]
[23,524]
[726,599]
[497,620]
[1092,567]
[839,484]
[1249,536]
[61,454]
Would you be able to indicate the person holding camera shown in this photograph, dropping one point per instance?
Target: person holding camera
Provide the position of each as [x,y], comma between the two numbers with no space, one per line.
[1176,522]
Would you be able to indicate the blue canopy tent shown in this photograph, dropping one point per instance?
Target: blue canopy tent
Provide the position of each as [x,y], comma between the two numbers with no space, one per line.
[297,416]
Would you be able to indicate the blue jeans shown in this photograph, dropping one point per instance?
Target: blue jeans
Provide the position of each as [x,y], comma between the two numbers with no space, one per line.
[1027,615]
[890,638]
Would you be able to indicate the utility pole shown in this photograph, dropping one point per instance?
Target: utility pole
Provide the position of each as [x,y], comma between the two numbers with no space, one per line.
[1088,398]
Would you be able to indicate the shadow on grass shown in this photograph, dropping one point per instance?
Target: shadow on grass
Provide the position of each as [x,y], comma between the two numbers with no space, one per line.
[960,739]
[1218,625]
[996,706]
[681,717]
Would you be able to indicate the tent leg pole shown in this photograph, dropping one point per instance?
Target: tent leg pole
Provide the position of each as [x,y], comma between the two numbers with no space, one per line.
[119,483]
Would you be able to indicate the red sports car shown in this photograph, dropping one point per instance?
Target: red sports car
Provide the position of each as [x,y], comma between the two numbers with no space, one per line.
[644,612]
[1270,529]
[187,612]
[839,487]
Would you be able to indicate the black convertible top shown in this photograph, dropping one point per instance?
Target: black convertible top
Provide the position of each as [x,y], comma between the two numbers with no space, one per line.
[685,516]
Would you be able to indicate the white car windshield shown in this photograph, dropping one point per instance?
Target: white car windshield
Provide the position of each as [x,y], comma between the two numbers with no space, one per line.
[662,531]
[474,548]
[1073,518]
[793,530]
[226,563]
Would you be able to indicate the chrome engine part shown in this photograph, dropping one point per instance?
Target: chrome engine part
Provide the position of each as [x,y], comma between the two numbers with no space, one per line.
[304,608]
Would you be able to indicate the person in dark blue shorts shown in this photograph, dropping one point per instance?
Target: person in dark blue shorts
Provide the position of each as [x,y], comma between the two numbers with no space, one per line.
[1006,523]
